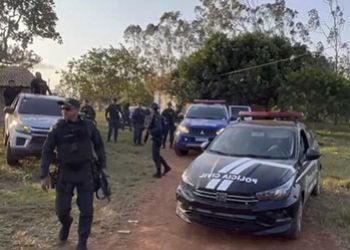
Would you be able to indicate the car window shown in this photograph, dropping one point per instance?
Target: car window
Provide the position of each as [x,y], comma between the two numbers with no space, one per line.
[39,106]
[211,112]
[304,145]
[259,142]
[236,109]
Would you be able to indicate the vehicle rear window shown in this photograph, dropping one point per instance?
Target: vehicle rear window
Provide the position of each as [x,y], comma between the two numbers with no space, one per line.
[259,142]
[39,106]
[207,112]
[235,110]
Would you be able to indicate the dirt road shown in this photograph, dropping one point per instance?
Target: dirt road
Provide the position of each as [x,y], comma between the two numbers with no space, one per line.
[160,229]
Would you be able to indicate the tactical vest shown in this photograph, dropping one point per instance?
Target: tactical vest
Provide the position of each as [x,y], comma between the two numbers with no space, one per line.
[73,143]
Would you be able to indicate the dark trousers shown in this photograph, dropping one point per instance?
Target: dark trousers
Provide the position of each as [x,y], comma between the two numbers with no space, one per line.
[168,130]
[157,158]
[127,122]
[138,129]
[82,181]
[113,127]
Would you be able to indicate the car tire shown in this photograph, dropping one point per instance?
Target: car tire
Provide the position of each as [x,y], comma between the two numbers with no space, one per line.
[10,159]
[181,152]
[318,188]
[296,229]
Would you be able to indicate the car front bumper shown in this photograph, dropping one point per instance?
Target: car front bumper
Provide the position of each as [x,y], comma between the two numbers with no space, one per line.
[26,145]
[262,218]
[188,141]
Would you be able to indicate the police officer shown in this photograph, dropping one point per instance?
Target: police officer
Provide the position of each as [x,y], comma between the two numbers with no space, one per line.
[74,141]
[138,120]
[113,118]
[156,131]
[169,115]
[10,93]
[126,116]
[39,86]
[88,110]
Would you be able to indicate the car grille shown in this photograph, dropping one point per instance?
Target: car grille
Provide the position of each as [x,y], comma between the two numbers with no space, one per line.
[202,132]
[229,198]
[38,140]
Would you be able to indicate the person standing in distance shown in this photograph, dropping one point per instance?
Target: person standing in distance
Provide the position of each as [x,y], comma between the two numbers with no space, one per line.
[10,93]
[138,121]
[156,131]
[113,118]
[88,110]
[169,115]
[126,116]
[39,86]
[74,140]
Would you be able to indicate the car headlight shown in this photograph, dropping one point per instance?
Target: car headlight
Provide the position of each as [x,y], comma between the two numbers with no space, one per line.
[220,131]
[23,128]
[279,193]
[182,129]
[186,180]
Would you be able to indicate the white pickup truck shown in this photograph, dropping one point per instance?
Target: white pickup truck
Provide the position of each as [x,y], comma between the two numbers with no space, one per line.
[27,123]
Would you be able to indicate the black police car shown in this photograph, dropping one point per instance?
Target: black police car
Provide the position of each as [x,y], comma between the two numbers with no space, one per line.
[254,177]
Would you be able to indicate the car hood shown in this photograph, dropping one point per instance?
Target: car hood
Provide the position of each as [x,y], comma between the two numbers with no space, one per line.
[39,121]
[244,176]
[204,122]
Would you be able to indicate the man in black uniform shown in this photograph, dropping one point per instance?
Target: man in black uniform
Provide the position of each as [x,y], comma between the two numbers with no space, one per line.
[113,118]
[169,121]
[126,116]
[89,111]
[10,93]
[138,120]
[74,141]
[156,131]
[39,86]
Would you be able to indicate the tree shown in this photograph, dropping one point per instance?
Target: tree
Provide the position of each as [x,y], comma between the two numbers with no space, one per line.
[20,22]
[105,73]
[332,32]
[202,75]
[318,92]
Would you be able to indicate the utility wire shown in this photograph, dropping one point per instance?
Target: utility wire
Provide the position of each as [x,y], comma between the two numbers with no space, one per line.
[292,58]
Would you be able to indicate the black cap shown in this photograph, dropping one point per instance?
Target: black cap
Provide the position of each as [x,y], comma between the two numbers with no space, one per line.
[70,103]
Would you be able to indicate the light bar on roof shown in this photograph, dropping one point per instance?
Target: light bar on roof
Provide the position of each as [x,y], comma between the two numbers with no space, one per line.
[272,115]
[209,101]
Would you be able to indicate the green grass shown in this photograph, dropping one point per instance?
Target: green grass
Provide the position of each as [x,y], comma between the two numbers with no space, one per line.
[332,208]
[27,215]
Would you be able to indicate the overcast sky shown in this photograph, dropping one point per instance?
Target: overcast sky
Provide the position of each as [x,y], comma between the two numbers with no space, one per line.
[85,24]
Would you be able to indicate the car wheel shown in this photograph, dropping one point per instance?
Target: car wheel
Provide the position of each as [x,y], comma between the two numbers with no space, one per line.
[295,231]
[10,159]
[181,152]
[318,187]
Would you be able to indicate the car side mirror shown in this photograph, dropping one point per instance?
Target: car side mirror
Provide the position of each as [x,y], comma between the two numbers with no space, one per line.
[181,116]
[9,110]
[312,154]
[205,145]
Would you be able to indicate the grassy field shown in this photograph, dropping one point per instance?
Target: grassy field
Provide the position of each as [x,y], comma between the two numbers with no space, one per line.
[332,209]
[27,215]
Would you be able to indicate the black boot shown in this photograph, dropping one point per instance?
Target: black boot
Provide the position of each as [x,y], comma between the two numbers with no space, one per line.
[166,170]
[82,245]
[158,174]
[64,232]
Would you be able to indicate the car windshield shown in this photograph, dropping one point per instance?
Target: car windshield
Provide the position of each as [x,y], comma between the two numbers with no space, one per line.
[256,142]
[211,112]
[39,106]
[235,110]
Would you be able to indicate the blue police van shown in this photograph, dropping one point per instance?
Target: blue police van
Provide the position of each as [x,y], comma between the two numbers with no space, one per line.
[203,121]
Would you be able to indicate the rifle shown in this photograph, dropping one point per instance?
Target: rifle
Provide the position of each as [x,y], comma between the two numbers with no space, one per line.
[101,182]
